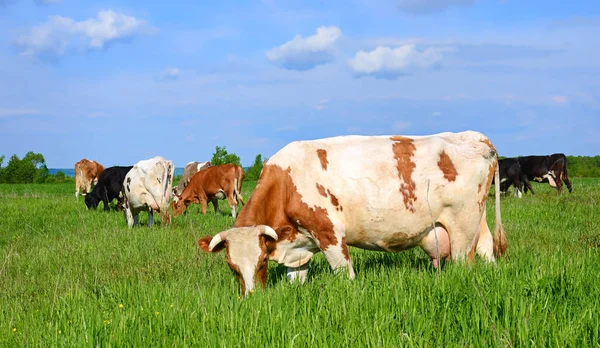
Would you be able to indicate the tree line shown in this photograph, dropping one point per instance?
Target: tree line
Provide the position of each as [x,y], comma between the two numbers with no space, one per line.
[32,167]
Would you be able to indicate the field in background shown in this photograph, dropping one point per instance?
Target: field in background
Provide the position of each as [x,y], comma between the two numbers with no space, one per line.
[71,277]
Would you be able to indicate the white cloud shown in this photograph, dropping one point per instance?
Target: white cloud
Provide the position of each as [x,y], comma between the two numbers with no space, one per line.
[560,99]
[60,34]
[420,7]
[8,112]
[386,62]
[322,104]
[306,53]
[401,125]
[170,74]
[436,113]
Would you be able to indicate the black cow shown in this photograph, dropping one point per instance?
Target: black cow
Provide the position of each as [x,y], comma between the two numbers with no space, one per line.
[551,169]
[511,174]
[108,188]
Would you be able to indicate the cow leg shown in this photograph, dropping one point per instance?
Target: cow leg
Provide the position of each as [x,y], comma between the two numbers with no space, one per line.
[463,229]
[232,204]
[568,183]
[215,203]
[136,219]
[527,184]
[105,200]
[517,185]
[150,217]
[338,257]
[559,183]
[131,220]
[298,273]
[485,241]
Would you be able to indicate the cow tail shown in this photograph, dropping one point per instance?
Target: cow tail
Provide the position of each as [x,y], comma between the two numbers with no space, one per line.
[238,186]
[166,196]
[565,177]
[499,235]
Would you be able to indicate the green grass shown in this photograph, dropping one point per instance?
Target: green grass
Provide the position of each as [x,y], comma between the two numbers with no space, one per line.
[71,277]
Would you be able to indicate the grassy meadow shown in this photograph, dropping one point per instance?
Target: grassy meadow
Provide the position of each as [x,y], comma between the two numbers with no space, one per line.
[72,277]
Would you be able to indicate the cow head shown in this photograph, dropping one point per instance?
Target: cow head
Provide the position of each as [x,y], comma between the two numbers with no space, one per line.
[179,205]
[91,201]
[176,194]
[247,250]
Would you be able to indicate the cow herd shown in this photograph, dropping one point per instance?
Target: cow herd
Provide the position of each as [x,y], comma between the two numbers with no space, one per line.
[384,193]
[147,186]
[519,172]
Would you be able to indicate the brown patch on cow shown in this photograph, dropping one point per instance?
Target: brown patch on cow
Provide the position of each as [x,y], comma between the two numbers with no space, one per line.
[447,167]
[488,143]
[323,158]
[490,178]
[267,246]
[321,190]
[397,242]
[404,148]
[471,254]
[334,199]
[478,188]
[128,182]
[276,202]
[345,249]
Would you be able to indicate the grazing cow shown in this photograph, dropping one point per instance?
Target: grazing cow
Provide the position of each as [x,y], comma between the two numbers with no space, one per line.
[211,184]
[384,193]
[147,187]
[86,173]
[511,174]
[108,188]
[551,169]
[189,171]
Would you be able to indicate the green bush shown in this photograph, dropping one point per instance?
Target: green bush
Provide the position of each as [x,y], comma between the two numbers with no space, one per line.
[254,171]
[221,156]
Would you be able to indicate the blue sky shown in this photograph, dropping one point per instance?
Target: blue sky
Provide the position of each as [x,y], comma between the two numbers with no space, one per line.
[121,81]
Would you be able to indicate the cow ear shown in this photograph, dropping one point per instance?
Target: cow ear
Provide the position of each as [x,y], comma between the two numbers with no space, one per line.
[204,244]
[284,232]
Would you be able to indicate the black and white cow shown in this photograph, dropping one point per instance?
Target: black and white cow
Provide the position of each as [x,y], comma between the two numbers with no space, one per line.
[108,188]
[512,175]
[551,169]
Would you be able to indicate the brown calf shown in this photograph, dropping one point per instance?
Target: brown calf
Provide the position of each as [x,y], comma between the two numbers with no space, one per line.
[210,184]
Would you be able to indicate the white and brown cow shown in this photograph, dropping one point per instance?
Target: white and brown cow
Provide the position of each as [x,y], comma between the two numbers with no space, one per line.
[147,187]
[380,193]
[212,184]
[190,169]
[86,174]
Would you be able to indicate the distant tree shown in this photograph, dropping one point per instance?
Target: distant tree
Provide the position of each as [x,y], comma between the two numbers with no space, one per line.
[1,171]
[9,173]
[254,171]
[221,156]
[32,168]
